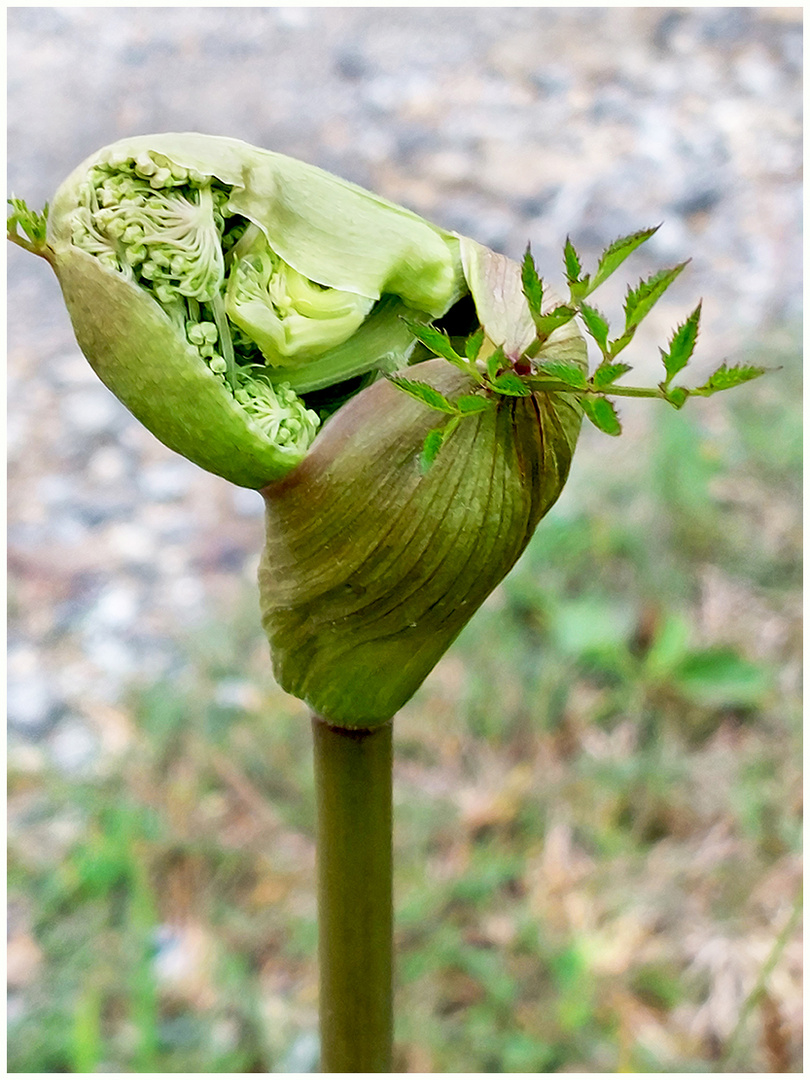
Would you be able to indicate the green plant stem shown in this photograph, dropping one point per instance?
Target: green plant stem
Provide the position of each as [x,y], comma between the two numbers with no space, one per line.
[611,391]
[353,769]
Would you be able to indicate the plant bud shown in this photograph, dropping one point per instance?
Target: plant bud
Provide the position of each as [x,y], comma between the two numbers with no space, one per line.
[372,567]
[212,284]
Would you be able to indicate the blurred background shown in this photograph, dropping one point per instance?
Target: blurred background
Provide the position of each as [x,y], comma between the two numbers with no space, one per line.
[597,791]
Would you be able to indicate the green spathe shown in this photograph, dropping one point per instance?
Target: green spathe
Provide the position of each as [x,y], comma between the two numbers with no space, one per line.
[348,242]
[371,567]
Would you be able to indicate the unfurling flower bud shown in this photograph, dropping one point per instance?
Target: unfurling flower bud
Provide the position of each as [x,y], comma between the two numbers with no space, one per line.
[212,285]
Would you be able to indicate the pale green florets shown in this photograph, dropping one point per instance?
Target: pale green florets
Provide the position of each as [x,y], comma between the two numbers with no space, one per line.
[169,230]
[166,232]
[278,411]
[291,318]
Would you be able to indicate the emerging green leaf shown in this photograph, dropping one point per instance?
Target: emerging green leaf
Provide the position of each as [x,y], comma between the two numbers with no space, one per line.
[676,395]
[495,362]
[606,374]
[431,447]
[472,346]
[615,254]
[596,324]
[640,301]
[681,346]
[437,342]
[434,441]
[33,224]
[471,403]
[548,323]
[532,286]
[510,384]
[573,266]
[570,374]
[602,414]
[426,394]
[726,377]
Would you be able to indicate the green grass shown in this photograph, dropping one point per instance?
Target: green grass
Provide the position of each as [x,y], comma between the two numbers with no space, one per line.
[598,786]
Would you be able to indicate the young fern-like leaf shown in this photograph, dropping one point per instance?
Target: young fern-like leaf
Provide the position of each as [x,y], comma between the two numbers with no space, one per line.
[641,300]
[597,326]
[615,254]
[430,448]
[437,341]
[573,265]
[602,414]
[434,441]
[510,384]
[606,374]
[676,395]
[472,346]
[727,377]
[425,393]
[681,346]
[468,404]
[33,224]
[532,288]
[495,361]
[553,320]
[570,374]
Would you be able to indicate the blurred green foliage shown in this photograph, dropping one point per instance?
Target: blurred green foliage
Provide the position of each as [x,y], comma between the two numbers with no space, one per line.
[604,766]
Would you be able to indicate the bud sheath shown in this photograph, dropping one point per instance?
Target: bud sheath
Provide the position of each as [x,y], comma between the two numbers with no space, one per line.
[371,568]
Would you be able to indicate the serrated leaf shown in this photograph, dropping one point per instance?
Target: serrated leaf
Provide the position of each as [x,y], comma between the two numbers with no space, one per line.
[471,403]
[510,384]
[32,223]
[640,301]
[573,266]
[430,448]
[532,285]
[606,374]
[570,374]
[428,395]
[676,395]
[434,441]
[615,254]
[495,362]
[681,345]
[472,346]
[548,323]
[596,324]
[602,414]
[727,377]
[438,342]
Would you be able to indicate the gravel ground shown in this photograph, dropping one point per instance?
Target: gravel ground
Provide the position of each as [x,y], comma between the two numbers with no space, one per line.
[504,123]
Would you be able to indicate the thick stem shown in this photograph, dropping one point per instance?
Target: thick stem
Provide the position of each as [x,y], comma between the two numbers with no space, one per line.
[353,769]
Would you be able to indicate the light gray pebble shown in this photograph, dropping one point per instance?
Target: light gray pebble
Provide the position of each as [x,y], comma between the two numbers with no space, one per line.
[33,707]
[92,411]
[73,746]
[167,481]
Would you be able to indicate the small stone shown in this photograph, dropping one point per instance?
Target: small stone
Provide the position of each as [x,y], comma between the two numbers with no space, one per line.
[73,747]
[92,411]
[167,481]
